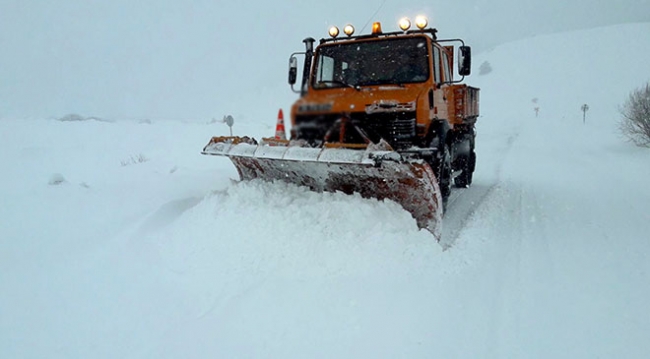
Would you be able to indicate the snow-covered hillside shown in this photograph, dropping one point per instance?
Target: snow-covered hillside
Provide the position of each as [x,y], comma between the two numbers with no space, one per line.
[119,240]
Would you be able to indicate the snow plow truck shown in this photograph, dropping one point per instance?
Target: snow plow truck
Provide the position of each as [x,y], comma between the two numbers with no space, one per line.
[379,114]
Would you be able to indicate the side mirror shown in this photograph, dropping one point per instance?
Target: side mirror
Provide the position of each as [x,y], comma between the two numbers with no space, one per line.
[293,70]
[464,60]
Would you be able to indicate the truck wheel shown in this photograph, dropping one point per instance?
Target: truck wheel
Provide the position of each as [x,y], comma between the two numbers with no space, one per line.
[442,169]
[464,180]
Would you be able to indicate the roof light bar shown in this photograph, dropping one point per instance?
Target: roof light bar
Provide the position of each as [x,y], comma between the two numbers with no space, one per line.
[405,24]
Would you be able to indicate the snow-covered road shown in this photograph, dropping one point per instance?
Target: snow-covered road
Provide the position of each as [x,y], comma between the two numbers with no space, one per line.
[147,249]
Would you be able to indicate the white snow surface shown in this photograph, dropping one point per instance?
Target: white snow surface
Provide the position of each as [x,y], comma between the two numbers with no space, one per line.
[119,240]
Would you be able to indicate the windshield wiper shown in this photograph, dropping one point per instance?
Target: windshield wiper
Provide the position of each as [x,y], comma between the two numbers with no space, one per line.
[382,83]
[336,82]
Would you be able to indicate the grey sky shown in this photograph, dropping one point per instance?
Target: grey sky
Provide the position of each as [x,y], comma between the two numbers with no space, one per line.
[171,59]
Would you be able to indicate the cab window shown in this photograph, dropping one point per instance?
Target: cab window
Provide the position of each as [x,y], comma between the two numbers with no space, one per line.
[326,68]
[436,64]
[445,66]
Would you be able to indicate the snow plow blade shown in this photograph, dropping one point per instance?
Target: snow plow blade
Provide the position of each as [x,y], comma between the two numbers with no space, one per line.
[372,173]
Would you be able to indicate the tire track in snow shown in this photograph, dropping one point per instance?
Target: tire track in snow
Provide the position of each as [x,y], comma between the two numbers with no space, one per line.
[505,280]
[522,269]
[515,274]
[464,202]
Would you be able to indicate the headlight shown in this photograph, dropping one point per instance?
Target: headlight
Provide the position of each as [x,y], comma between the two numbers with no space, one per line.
[421,22]
[405,24]
[334,31]
[348,30]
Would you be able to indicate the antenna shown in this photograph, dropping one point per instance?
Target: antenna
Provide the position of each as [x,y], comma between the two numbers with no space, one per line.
[373,16]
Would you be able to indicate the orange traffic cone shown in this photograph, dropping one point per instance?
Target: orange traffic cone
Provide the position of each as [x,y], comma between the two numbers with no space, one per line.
[280,133]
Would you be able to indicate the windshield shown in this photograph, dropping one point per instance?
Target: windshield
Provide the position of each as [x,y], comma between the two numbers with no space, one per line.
[394,61]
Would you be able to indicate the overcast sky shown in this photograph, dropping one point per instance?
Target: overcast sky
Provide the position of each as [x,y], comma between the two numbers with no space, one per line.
[199,59]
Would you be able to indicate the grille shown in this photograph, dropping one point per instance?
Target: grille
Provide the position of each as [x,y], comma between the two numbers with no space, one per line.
[396,128]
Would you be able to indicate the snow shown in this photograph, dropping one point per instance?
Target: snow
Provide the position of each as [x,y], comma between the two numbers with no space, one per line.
[120,240]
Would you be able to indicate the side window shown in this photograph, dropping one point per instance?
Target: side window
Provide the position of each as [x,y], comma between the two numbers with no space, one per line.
[436,64]
[445,66]
[326,69]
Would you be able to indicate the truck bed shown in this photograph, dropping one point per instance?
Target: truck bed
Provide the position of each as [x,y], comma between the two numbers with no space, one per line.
[463,103]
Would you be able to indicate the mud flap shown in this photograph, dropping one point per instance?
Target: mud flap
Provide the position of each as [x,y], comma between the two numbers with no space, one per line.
[372,174]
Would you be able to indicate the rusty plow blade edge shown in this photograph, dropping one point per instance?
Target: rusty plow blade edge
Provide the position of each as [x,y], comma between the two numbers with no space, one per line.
[372,174]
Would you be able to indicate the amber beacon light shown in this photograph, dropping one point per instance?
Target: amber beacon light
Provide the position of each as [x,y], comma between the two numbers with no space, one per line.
[376,28]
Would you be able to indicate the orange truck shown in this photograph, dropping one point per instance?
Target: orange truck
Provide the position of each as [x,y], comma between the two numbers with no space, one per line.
[380,114]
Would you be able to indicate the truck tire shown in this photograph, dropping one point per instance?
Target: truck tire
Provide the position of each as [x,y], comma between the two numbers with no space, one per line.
[464,180]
